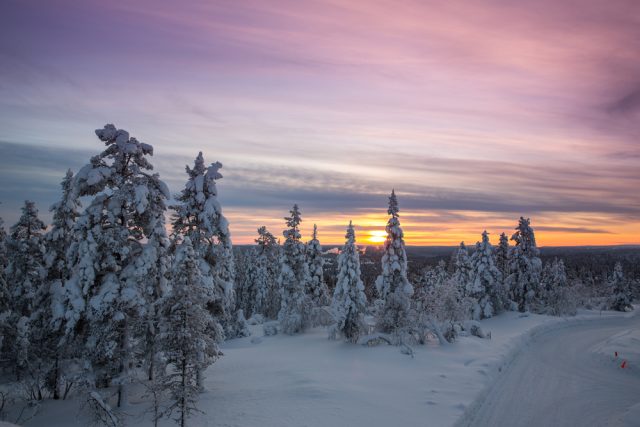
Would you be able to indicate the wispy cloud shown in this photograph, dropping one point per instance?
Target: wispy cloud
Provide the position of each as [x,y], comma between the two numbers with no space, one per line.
[484,110]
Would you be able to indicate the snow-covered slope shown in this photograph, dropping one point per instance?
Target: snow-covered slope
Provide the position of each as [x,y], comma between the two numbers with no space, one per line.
[307,380]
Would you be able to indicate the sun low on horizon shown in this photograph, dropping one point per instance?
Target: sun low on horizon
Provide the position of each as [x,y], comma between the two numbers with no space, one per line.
[476,113]
[376,236]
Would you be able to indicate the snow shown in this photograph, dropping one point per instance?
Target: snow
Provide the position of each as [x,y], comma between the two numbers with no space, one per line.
[627,346]
[308,380]
[556,380]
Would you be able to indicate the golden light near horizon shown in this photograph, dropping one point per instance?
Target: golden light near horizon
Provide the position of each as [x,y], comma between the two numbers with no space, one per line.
[377,236]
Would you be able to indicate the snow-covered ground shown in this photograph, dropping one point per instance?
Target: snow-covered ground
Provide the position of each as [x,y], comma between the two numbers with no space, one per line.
[307,380]
[568,377]
[620,348]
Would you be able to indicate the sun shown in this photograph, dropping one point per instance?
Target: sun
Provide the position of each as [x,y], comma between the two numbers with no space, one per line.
[377,236]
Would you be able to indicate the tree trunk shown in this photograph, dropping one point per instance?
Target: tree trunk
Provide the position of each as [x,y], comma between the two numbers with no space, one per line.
[183,398]
[199,379]
[151,367]
[56,380]
[123,397]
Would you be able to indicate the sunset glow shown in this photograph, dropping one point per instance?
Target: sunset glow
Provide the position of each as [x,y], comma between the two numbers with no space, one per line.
[476,113]
[377,236]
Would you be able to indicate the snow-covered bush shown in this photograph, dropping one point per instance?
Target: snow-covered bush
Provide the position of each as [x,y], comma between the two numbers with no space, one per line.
[100,412]
[442,311]
[270,328]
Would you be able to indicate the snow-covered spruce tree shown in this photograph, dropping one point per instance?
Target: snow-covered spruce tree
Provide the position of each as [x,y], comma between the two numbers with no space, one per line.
[429,279]
[316,288]
[245,262]
[4,290]
[349,301]
[258,292]
[392,284]
[485,287]
[502,256]
[199,216]
[620,289]
[462,273]
[105,304]
[25,276]
[295,307]
[152,269]
[189,334]
[267,290]
[525,268]
[441,274]
[7,319]
[60,236]
[46,323]
[559,298]
[25,269]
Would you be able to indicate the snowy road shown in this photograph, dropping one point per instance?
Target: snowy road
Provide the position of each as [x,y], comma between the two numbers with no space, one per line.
[558,381]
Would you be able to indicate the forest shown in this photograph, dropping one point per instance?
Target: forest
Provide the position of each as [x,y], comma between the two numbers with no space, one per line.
[130,285]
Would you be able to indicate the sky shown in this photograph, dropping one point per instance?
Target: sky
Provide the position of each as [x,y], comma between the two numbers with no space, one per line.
[475,112]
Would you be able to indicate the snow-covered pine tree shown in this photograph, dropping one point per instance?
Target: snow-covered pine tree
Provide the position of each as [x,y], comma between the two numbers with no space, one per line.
[429,279]
[258,292]
[4,290]
[105,304]
[349,301]
[485,286]
[620,289]
[245,262]
[502,256]
[554,275]
[267,290]
[559,298]
[25,269]
[5,300]
[152,269]
[316,288]
[25,276]
[525,268]
[46,323]
[295,308]
[189,334]
[199,216]
[463,269]
[60,236]
[392,284]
